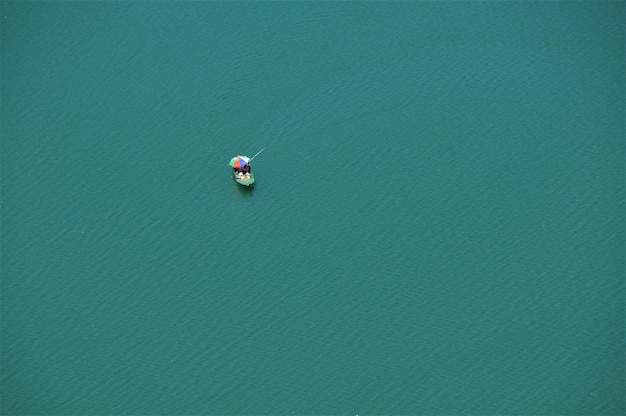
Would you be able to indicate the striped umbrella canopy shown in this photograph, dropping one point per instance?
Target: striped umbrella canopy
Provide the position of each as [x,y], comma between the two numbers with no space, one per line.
[239,161]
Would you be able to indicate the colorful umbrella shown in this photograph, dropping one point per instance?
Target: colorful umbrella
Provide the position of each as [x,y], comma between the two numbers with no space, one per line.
[239,161]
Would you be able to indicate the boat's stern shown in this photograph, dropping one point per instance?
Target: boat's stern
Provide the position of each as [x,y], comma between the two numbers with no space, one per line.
[245,179]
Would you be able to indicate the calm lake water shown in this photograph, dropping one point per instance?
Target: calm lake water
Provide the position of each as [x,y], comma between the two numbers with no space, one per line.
[437,225]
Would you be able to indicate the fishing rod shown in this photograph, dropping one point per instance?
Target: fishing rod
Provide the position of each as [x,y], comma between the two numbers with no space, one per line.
[258,153]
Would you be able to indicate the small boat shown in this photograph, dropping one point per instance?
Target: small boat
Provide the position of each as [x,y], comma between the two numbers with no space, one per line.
[242,171]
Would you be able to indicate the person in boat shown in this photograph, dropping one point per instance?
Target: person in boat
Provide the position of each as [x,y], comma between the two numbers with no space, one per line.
[242,170]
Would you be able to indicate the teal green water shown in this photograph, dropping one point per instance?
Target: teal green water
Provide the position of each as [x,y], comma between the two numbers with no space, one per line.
[437,225]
